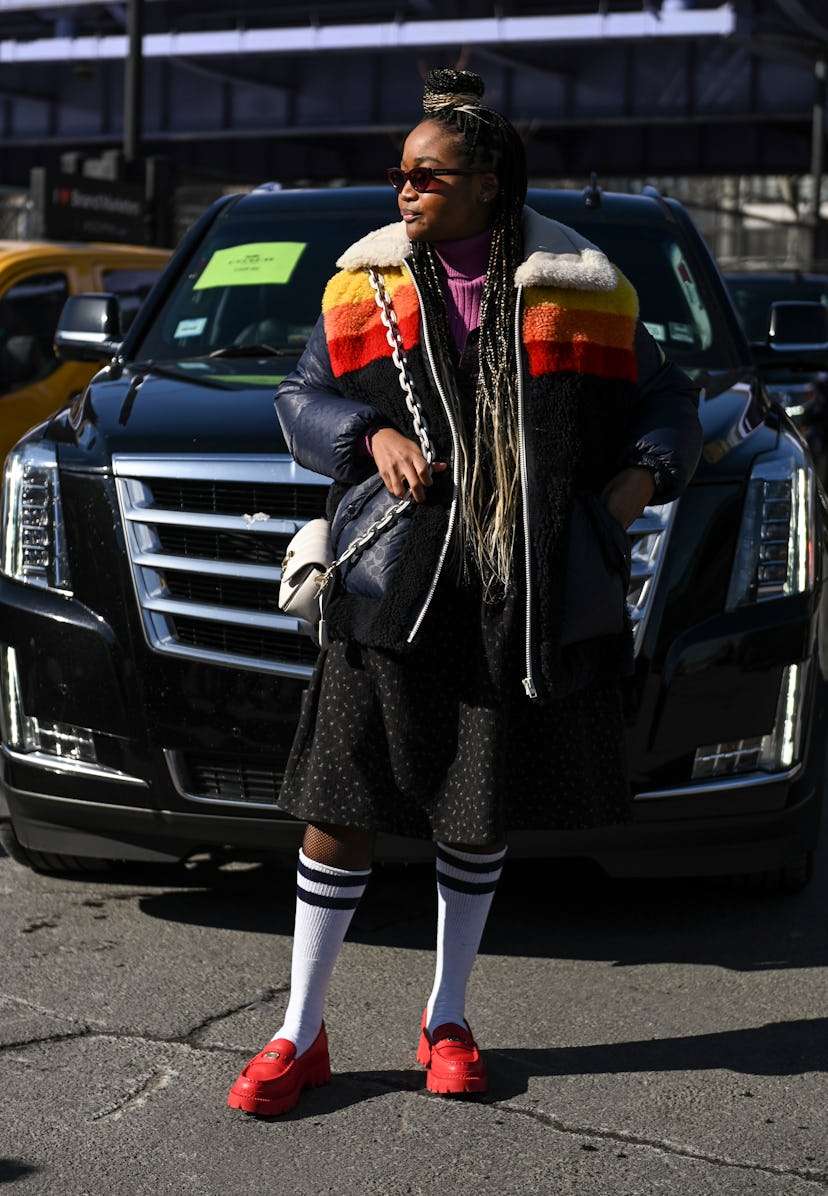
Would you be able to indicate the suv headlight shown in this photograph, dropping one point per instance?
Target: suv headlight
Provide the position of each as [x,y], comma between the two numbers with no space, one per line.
[777,751]
[775,551]
[33,546]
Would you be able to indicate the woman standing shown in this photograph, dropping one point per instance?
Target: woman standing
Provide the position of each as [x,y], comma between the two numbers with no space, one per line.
[471,683]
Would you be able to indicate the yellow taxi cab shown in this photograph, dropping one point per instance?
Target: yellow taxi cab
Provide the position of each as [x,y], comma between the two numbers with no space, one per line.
[36,278]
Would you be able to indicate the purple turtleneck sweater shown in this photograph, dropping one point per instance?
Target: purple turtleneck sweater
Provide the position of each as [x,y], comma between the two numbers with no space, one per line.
[465,264]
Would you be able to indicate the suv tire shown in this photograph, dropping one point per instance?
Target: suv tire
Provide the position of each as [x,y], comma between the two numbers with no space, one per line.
[47,862]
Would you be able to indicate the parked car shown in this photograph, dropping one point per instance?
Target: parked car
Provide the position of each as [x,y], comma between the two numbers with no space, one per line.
[36,278]
[149,686]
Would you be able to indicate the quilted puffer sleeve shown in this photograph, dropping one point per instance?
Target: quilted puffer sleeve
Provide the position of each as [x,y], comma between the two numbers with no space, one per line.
[665,434]
[324,431]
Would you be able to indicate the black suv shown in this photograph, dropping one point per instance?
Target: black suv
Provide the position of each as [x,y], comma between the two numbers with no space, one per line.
[149,684]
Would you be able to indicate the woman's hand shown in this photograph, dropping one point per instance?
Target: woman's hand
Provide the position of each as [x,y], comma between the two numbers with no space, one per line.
[626,495]
[401,464]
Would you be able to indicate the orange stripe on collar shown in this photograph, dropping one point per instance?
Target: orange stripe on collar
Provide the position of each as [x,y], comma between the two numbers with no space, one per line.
[354,330]
[553,323]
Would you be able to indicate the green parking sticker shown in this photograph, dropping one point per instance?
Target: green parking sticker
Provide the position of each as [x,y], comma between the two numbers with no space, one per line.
[243,265]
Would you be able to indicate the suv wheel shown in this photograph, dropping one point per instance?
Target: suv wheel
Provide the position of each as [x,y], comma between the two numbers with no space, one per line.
[48,862]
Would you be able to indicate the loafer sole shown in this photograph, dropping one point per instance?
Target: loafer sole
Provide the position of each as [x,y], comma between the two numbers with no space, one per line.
[270,1094]
[448,1082]
[456,1085]
[265,1106]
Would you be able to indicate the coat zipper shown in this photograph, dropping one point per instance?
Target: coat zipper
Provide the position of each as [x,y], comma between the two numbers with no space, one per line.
[455,470]
[528,680]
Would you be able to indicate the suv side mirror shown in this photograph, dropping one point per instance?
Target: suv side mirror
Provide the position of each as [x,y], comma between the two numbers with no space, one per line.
[89,328]
[798,325]
[797,337]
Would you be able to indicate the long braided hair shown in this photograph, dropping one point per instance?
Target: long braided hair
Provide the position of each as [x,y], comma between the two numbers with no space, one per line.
[490,467]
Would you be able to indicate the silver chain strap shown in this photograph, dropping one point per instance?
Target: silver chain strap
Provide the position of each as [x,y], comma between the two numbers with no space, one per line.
[412,402]
[394,338]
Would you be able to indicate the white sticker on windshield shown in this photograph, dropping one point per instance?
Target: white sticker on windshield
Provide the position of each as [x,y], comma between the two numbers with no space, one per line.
[657,331]
[681,332]
[193,327]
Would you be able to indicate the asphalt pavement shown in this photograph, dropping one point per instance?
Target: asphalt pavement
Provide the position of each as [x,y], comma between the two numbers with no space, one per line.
[642,1038]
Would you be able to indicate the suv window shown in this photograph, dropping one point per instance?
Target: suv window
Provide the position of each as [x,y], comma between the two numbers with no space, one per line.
[257,279]
[29,313]
[254,280]
[132,287]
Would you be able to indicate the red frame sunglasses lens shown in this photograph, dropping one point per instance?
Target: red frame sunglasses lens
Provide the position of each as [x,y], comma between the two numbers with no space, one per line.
[419,177]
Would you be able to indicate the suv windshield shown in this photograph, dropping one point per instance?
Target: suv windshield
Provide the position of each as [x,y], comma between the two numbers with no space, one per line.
[253,288]
[255,280]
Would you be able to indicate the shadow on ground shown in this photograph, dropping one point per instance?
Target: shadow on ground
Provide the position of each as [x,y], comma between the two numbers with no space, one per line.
[778,1049]
[12,1170]
[543,910]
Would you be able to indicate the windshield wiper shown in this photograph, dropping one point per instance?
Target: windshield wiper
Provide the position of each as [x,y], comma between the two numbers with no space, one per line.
[255,351]
[176,372]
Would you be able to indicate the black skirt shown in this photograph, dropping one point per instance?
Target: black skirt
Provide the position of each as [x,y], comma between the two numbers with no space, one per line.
[441,742]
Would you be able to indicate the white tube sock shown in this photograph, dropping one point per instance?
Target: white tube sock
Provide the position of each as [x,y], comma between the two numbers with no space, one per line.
[326,898]
[466,882]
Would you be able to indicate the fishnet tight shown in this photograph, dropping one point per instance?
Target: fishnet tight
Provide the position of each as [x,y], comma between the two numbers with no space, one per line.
[352,849]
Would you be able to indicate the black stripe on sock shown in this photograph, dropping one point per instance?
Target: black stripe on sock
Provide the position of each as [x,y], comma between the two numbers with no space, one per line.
[326,902]
[467,886]
[464,865]
[327,878]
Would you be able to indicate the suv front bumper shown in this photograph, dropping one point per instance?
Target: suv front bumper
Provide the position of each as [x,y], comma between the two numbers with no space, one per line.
[129,804]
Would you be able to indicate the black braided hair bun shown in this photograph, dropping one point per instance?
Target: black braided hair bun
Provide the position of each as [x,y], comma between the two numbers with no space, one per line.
[446,88]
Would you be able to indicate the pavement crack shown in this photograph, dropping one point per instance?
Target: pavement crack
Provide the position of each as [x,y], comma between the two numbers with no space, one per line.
[265,996]
[138,1094]
[33,1007]
[663,1145]
[44,1039]
[192,1038]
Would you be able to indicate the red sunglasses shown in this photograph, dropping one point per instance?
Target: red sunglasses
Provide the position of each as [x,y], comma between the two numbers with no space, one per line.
[420,177]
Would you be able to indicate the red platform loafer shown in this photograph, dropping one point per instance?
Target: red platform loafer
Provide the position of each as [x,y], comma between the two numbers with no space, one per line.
[272,1082]
[452,1060]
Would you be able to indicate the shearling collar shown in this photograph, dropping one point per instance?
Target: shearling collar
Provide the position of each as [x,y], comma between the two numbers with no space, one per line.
[556,255]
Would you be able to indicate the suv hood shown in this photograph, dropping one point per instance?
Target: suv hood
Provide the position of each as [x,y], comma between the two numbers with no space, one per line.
[229,409]
[226,406]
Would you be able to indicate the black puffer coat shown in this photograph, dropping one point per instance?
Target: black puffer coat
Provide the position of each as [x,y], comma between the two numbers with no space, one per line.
[595,395]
